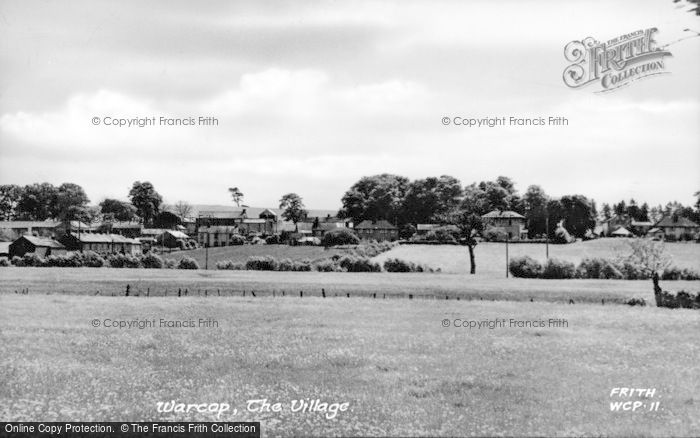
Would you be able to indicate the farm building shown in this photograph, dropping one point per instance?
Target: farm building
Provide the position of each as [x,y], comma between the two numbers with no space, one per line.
[677,228]
[216,235]
[41,246]
[172,239]
[379,230]
[510,222]
[48,228]
[101,243]
[127,229]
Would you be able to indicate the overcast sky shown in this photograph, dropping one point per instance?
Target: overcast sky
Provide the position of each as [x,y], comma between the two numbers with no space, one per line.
[312,95]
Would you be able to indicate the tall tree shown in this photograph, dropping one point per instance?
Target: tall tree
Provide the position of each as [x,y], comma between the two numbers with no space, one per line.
[38,202]
[578,213]
[10,195]
[182,209]
[236,195]
[118,210]
[535,204]
[607,211]
[146,200]
[69,195]
[376,197]
[427,199]
[293,208]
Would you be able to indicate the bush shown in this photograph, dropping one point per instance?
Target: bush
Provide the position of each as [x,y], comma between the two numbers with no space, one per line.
[273,240]
[237,239]
[598,268]
[494,234]
[17,261]
[675,273]
[525,267]
[339,237]
[398,265]
[170,264]
[4,262]
[558,269]
[264,263]
[358,264]
[229,265]
[152,261]
[31,259]
[562,236]
[304,265]
[327,265]
[91,259]
[187,263]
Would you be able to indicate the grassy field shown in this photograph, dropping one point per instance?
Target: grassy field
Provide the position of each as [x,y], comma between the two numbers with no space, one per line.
[241,253]
[158,282]
[401,372]
[491,257]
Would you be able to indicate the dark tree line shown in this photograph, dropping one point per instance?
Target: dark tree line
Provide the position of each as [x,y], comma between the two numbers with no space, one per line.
[68,201]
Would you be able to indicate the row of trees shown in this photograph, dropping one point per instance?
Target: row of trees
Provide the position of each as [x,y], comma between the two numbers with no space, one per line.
[645,213]
[68,201]
[437,199]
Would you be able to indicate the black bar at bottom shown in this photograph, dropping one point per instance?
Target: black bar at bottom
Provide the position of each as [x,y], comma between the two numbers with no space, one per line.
[153,429]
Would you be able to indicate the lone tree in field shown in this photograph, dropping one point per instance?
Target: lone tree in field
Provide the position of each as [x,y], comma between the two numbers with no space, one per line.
[293,208]
[469,224]
[236,195]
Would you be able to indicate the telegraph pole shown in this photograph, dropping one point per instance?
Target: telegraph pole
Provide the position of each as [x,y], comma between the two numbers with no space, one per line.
[507,239]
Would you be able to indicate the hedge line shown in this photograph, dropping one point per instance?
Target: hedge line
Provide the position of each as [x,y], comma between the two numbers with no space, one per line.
[592,268]
[90,259]
[337,263]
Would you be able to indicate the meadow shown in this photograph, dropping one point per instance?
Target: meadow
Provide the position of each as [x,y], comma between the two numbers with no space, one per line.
[399,369]
[491,257]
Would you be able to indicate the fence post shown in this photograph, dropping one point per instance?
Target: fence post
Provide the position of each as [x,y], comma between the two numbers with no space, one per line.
[410,296]
[301,294]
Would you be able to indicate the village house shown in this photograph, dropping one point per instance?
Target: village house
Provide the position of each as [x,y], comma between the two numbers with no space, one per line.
[172,239]
[41,246]
[47,228]
[674,227]
[378,230]
[101,243]
[509,222]
[131,230]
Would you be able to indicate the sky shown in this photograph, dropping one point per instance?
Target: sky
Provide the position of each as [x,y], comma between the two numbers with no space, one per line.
[312,95]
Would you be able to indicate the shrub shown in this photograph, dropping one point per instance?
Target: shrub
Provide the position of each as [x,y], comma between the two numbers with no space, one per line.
[237,239]
[494,234]
[170,264]
[116,260]
[31,259]
[327,265]
[358,264]
[264,263]
[152,261]
[636,302]
[675,273]
[598,268]
[187,263]
[4,262]
[398,265]
[525,267]
[339,237]
[304,265]
[562,236]
[273,240]
[558,269]
[17,261]
[229,265]
[91,259]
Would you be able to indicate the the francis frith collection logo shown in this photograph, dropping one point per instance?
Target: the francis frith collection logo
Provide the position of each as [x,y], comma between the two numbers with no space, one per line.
[614,63]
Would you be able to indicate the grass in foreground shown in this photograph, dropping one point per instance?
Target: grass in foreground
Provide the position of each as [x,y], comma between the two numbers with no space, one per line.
[400,370]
